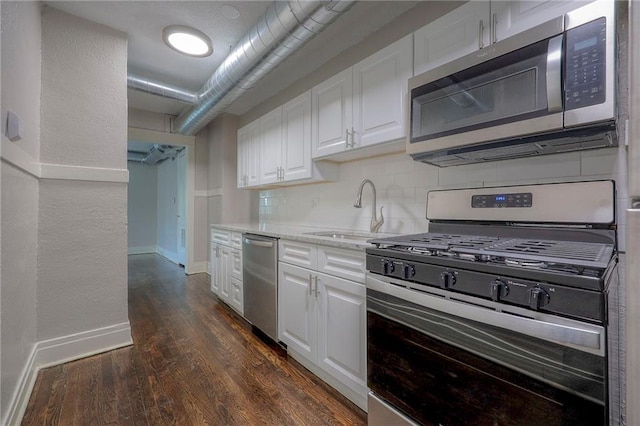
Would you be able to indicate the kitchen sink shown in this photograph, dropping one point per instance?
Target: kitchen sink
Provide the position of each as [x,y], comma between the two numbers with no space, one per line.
[342,235]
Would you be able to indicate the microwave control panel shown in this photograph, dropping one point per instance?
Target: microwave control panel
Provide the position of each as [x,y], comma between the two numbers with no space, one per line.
[585,67]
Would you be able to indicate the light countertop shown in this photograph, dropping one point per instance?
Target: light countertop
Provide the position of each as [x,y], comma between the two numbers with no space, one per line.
[301,233]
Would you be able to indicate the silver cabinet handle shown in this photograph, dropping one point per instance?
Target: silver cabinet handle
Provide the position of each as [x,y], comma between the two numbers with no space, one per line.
[554,74]
[481,34]
[353,137]
[346,138]
[494,28]
[315,287]
[310,284]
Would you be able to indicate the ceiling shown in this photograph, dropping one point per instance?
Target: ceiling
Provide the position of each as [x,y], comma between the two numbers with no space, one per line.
[149,57]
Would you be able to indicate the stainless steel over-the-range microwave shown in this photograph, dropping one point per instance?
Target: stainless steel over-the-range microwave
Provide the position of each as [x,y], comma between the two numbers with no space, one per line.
[546,90]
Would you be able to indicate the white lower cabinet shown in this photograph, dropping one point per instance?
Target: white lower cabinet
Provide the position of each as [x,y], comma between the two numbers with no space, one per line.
[296,309]
[322,319]
[342,331]
[225,268]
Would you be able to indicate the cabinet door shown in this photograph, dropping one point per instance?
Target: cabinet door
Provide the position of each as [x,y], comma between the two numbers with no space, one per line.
[296,310]
[243,142]
[236,300]
[296,138]
[380,94]
[253,154]
[331,114]
[342,331]
[459,32]
[214,266]
[270,146]
[512,17]
[225,277]
[236,264]
[248,145]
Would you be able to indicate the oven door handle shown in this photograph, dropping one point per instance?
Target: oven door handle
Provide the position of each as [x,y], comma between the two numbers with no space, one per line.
[585,337]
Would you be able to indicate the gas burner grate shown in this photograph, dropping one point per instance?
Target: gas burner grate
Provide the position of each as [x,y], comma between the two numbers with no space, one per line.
[591,255]
[586,252]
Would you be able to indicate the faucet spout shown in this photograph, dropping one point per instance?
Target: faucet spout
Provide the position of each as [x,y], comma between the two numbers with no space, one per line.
[375,223]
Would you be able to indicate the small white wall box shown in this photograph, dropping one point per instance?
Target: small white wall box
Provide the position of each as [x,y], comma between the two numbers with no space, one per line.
[14,127]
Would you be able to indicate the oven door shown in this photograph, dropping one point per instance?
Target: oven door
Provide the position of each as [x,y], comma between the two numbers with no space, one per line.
[445,361]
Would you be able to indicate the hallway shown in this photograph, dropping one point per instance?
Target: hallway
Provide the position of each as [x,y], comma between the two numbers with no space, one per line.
[194,362]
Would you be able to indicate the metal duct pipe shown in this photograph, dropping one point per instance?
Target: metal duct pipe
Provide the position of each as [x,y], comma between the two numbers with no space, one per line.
[284,28]
[146,85]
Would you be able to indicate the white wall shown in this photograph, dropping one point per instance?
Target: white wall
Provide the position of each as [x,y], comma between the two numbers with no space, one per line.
[167,208]
[82,253]
[227,203]
[20,92]
[142,203]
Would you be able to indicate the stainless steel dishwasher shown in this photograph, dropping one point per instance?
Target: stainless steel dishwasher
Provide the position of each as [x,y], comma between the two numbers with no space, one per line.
[260,277]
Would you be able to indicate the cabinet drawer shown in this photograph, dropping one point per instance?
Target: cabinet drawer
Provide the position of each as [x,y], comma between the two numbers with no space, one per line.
[236,240]
[296,253]
[220,236]
[349,264]
[236,264]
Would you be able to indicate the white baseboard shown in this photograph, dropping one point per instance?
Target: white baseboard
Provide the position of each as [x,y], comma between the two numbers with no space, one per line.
[169,255]
[199,267]
[20,399]
[142,250]
[80,345]
[48,353]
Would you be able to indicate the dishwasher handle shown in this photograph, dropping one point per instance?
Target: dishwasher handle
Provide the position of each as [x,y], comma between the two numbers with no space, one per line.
[258,243]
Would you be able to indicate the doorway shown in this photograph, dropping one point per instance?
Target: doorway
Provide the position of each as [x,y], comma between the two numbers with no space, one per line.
[161,193]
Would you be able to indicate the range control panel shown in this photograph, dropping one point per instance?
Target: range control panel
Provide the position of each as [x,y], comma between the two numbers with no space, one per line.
[491,201]
[585,70]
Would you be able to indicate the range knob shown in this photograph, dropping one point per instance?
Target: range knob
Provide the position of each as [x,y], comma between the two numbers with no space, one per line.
[498,290]
[538,298]
[387,266]
[447,279]
[409,271]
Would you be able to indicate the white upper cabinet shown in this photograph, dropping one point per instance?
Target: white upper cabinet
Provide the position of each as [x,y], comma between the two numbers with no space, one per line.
[248,152]
[512,17]
[332,114]
[478,24]
[296,160]
[276,148]
[270,146]
[459,32]
[380,94]
[363,105]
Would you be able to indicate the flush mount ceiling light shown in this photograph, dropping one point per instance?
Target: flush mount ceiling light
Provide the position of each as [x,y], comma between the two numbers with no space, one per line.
[187,41]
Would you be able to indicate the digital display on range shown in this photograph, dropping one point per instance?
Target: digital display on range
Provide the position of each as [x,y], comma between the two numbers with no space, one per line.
[497,201]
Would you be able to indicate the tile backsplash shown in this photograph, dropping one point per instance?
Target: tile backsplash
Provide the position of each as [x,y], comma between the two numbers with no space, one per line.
[402,185]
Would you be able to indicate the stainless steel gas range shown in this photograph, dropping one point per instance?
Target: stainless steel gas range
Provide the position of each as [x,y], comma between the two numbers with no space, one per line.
[500,315]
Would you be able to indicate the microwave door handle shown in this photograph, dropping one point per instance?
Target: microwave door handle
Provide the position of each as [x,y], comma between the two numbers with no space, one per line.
[554,74]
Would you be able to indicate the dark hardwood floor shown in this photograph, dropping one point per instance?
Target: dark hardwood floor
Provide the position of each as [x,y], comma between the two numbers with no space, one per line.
[194,362]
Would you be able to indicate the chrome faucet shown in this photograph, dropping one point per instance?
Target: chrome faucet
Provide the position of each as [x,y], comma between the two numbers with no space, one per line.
[375,223]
